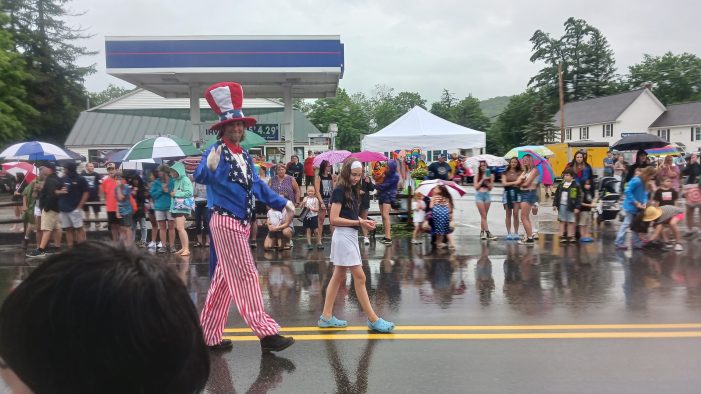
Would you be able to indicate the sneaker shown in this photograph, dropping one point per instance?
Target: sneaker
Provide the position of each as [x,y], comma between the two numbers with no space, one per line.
[415,241]
[160,244]
[535,235]
[386,241]
[36,254]
[310,247]
[333,322]
[161,250]
[482,235]
[366,240]
[152,245]
[573,240]
[563,239]
[275,343]
[678,248]
[527,242]
[381,325]
[320,246]
[172,249]
[489,236]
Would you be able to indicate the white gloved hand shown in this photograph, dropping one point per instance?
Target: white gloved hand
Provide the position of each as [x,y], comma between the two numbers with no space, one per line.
[213,158]
[290,207]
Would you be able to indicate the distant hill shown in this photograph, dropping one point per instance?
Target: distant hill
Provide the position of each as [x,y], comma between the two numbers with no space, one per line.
[494,106]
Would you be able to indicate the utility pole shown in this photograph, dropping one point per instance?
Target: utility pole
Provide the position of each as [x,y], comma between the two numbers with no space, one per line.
[562,103]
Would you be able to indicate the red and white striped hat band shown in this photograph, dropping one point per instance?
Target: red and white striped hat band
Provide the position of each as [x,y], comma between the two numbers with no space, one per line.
[226,100]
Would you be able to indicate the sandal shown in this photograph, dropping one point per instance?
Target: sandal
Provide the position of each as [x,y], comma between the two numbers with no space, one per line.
[197,245]
[185,253]
[333,322]
[381,325]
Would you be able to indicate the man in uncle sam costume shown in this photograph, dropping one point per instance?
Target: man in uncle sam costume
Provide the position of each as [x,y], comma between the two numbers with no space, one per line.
[228,171]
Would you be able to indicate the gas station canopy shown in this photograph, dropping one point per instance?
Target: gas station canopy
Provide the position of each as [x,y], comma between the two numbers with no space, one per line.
[266,66]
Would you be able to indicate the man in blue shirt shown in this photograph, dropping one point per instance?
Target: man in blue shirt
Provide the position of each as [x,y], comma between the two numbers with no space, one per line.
[229,173]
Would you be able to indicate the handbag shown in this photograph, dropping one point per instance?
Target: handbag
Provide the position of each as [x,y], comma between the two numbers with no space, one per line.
[183,204]
[692,193]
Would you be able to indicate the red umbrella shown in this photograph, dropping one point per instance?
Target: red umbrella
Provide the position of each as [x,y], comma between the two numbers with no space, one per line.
[367,156]
[15,167]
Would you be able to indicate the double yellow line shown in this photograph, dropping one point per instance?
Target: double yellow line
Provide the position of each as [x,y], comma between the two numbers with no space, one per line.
[559,331]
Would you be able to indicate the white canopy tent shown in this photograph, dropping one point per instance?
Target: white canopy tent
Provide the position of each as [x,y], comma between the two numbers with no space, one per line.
[421,129]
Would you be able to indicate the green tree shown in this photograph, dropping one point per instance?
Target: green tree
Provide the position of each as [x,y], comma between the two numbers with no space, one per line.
[444,106]
[14,111]
[352,119]
[467,112]
[110,93]
[47,44]
[675,78]
[587,62]
[387,106]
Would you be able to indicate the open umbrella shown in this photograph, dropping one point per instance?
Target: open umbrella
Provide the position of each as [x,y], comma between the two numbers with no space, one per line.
[250,140]
[34,151]
[161,148]
[15,167]
[639,141]
[668,150]
[454,189]
[539,149]
[492,161]
[332,156]
[547,175]
[367,156]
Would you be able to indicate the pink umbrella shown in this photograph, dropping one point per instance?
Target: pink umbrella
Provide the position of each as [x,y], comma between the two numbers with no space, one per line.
[15,167]
[332,156]
[454,189]
[368,156]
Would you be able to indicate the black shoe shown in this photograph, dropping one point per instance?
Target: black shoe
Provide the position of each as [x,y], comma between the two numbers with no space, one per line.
[386,241]
[225,344]
[37,254]
[527,242]
[563,239]
[275,343]
[573,240]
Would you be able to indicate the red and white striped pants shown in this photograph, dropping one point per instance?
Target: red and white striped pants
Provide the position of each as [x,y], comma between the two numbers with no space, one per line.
[236,277]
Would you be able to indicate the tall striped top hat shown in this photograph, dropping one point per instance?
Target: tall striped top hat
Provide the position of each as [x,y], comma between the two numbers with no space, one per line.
[226,100]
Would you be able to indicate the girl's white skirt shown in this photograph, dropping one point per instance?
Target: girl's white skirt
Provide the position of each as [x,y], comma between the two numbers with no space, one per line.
[345,251]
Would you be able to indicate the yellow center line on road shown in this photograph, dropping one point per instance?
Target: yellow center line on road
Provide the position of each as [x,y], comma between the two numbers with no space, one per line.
[456,336]
[673,326]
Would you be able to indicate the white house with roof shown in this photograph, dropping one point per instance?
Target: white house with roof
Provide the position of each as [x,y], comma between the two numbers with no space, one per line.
[680,124]
[609,118]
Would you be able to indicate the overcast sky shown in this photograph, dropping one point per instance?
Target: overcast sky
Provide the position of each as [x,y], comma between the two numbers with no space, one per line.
[473,47]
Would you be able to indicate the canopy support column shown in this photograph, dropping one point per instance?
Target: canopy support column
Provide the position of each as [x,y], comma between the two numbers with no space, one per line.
[288,122]
[195,120]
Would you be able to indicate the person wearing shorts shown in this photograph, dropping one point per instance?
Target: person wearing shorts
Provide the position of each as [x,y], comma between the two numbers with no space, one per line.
[48,201]
[93,180]
[71,204]
[567,202]
[160,198]
[108,187]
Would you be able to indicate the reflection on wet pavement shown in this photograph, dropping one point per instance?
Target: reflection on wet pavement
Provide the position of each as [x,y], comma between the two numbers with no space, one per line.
[497,283]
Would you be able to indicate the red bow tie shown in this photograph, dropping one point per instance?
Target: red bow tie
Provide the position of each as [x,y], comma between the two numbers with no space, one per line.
[233,148]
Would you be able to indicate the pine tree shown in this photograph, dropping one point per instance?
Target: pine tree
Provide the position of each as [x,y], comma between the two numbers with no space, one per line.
[46,43]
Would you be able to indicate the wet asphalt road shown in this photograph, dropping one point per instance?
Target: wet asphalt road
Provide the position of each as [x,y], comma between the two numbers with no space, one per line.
[547,319]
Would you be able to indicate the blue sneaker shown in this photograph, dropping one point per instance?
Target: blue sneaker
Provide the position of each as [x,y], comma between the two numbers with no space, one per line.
[381,325]
[333,322]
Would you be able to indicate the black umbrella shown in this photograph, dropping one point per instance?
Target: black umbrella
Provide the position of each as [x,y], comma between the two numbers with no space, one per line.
[639,142]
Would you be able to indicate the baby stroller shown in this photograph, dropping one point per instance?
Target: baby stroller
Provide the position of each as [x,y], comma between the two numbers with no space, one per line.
[608,206]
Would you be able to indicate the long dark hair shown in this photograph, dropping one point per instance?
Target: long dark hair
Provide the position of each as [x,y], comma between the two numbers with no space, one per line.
[322,167]
[446,194]
[518,164]
[480,171]
[350,191]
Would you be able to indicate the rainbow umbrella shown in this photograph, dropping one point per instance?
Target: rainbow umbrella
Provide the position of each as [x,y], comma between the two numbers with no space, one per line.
[547,175]
[668,150]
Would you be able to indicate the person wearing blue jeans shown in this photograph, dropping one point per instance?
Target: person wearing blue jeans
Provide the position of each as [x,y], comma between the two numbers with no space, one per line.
[636,198]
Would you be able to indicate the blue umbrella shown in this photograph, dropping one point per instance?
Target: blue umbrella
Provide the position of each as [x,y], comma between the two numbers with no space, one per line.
[34,151]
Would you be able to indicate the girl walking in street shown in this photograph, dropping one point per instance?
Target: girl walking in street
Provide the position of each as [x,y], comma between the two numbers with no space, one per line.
[512,198]
[636,198]
[484,182]
[181,204]
[345,251]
